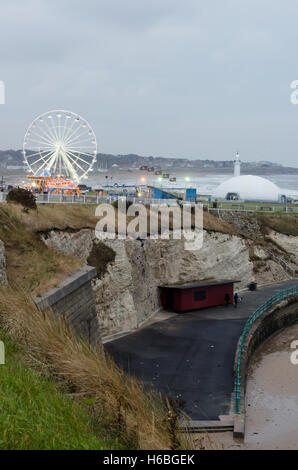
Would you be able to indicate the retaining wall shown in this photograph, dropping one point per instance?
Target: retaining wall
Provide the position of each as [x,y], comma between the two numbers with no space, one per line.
[74,299]
[280,316]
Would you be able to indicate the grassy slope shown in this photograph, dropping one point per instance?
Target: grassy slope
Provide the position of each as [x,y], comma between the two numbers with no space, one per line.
[34,414]
[118,402]
[50,216]
[30,263]
[282,223]
[219,225]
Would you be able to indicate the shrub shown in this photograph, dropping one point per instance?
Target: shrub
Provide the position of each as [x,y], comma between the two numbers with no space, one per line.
[23,197]
[100,256]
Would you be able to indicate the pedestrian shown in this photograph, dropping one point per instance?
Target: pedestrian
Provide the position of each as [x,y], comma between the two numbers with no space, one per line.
[227,299]
[236,298]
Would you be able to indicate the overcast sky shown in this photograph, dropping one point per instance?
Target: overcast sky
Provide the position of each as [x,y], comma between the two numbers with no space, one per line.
[183,78]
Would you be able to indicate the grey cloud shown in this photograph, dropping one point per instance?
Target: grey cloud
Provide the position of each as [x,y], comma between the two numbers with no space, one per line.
[164,77]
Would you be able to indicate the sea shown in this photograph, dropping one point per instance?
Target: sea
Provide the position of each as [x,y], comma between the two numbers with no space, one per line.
[204,183]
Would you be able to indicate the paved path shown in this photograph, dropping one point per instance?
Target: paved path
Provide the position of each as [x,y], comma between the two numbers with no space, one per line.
[190,356]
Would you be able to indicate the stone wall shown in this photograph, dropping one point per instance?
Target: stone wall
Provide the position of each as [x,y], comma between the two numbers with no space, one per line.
[74,299]
[278,317]
[3,277]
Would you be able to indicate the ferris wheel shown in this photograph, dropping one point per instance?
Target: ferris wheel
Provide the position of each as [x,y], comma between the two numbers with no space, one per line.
[60,143]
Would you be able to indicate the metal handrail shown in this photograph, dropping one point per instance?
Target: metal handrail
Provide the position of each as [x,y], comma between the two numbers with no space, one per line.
[273,300]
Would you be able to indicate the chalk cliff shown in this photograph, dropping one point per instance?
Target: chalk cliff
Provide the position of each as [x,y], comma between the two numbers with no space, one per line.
[127,293]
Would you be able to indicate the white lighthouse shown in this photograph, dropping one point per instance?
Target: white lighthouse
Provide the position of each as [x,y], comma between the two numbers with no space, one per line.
[237,164]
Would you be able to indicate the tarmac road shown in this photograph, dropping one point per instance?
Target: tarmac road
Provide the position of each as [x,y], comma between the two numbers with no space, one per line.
[190,356]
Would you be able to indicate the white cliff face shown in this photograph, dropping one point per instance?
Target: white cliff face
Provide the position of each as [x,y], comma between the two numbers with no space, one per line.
[128,293]
[287,242]
[72,243]
[3,277]
[114,300]
[222,256]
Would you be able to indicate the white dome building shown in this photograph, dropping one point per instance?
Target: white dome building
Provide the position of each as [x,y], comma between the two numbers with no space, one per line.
[247,188]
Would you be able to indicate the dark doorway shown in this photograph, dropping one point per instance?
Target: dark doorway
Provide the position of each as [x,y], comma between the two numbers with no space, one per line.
[232,197]
[169,299]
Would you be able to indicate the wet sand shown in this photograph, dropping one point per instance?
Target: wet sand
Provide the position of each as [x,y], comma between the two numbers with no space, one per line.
[272,399]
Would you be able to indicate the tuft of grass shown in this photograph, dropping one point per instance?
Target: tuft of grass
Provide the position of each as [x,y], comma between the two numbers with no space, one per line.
[282,223]
[213,223]
[51,216]
[35,415]
[30,262]
[118,400]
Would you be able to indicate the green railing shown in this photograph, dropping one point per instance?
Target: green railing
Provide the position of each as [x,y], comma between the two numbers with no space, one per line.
[274,299]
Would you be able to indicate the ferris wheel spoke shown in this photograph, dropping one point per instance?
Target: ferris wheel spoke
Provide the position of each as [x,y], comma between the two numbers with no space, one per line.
[54,128]
[48,162]
[78,156]
[52,134]
[33,142]
[43,157]
[69,130]
[47,137]
[65,134]
[35,134]
[64,127]
[73,130]
[82,149]
[36,153]
[80,152]
[58,126]
[74,160]
[45,163]
[69,166]
[70,138]
[82,143]
[76,138]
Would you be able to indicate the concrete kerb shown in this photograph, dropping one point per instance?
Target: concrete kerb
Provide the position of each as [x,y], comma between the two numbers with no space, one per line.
[69,285]
[265,326]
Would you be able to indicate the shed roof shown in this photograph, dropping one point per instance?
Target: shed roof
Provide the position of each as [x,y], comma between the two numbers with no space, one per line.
[191,285]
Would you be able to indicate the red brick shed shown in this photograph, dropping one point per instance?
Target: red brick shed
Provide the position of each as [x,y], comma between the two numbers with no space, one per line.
[196,295]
